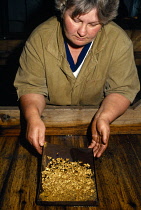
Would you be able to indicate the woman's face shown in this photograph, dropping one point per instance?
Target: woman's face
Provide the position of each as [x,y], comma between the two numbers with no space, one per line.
[81,29]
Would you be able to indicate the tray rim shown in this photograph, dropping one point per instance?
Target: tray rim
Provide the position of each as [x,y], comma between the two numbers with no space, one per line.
[91,203]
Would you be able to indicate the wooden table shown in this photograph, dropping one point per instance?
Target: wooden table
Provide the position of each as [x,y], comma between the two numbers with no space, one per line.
[118,173]
[73,120]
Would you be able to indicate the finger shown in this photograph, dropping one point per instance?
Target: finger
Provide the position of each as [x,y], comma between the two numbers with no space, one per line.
[99,152]
[41,139]
[96,137]
[96,148]
[95,153]
[30,139]
[104,138]
[92,144]
[104,134]
[30,134]
[33,139]
[37,146]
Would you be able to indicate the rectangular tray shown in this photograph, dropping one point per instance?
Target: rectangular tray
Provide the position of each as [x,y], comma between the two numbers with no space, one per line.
[85,155]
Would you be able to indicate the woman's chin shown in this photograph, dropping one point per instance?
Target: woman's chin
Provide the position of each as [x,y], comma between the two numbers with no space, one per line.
[77,43]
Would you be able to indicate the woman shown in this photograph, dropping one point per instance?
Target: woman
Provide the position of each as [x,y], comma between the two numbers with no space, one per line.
[78,58]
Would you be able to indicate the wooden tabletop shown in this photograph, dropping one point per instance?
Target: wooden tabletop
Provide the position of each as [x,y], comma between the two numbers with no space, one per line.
[118,173]
[74,120]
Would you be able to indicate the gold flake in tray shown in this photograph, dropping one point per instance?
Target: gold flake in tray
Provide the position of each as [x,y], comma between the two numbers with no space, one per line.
[67,177]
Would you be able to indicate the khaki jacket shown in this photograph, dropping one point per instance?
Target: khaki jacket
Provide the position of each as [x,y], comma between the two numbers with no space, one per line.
[108,68]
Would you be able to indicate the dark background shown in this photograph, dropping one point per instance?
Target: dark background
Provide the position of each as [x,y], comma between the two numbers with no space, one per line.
[19,17]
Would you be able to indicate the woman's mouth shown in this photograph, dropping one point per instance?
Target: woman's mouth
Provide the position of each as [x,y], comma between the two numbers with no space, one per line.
[80,39]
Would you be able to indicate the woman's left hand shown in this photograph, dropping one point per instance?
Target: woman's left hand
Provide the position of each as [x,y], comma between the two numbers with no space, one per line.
[100,136]
[113,106]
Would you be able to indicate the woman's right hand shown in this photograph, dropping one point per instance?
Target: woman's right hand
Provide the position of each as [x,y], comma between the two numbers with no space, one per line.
[35,133]
[32,106]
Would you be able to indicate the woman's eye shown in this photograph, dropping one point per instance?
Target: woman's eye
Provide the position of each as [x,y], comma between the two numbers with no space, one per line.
[93,24]
[76,20]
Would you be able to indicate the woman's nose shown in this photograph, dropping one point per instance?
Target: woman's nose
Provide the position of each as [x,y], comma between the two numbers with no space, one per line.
[82,30]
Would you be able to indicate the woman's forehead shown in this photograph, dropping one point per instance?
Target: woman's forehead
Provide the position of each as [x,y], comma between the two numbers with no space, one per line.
[92,13]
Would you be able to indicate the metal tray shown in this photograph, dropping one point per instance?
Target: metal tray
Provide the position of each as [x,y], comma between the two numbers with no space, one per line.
[85,155]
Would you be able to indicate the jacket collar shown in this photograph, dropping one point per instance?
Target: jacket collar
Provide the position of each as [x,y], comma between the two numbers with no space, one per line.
[56,42]
[56,47]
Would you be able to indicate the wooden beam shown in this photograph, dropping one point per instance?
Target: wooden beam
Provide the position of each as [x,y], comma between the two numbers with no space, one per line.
[66,120]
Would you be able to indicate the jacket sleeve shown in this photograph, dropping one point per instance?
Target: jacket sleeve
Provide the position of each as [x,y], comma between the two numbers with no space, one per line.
[122,76]
[30,77]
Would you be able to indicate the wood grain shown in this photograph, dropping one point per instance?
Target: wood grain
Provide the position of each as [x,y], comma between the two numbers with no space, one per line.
[60,120]
[118,173]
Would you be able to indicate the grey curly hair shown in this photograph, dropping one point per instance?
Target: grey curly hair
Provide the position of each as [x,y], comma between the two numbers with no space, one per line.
[107,9]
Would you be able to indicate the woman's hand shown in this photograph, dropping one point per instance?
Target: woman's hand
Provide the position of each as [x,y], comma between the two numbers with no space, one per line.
[112,107]
[35,133]
[100,136]
[32,106]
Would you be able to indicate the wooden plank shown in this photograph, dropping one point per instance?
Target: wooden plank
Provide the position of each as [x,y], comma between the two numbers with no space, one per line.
[21,181]
[67,116]
[6,157]
[118,174]
[77,130]
[61,120]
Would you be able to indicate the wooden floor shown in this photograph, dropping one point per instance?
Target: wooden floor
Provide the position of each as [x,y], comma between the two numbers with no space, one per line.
[118,173]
